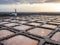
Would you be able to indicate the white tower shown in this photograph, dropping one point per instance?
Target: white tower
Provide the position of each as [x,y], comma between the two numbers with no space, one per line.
[15,12]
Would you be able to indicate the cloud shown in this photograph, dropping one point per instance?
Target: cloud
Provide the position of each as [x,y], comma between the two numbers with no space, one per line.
[7,1]
[24,1]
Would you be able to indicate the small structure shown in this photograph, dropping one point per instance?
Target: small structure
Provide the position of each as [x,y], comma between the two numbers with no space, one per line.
[14,13]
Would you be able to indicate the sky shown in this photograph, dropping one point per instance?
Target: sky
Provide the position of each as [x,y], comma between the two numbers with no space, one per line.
[26,6]
[25,1]
[20,1]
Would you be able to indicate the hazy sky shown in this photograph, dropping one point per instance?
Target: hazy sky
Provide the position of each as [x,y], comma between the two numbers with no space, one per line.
[20,1]
[42,7]
[10,5]
[25,1]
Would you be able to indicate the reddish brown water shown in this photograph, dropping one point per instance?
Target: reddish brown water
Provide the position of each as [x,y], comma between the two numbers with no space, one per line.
[40,31]
[20,40]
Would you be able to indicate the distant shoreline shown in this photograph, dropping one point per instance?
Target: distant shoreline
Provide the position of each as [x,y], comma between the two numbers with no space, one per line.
[33,13]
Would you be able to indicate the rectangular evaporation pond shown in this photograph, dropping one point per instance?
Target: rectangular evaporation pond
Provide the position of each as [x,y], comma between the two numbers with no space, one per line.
[58,21]
[54,23]
[20,40]
[23,19]
[13,20]
[41,21]
[56,36]
[32,20]
[40,31]
[22,27]
[4,22]
[11,24]
[49,26]
[7,19]
[23,22]
[34,24]
[4,33]
[17,18]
